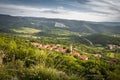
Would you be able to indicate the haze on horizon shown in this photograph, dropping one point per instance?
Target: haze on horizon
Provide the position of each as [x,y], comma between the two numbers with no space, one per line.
[89,10]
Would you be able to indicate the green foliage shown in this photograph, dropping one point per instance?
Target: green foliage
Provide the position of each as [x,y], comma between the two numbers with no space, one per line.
[23,61]
[42,73]
[111,55]
[103,39]
[4,75]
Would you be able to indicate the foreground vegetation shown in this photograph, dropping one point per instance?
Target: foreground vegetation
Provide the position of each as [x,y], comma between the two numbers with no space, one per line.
[22,61]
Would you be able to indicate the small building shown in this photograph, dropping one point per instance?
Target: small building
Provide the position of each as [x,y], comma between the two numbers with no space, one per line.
[40,46]
[84,57]
[112,46]
[97,55]
[35,44]
[62,50]
[75,53]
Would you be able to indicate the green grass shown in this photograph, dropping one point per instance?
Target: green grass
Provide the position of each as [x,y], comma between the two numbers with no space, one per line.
[111,55]
[26,30]
[61,32]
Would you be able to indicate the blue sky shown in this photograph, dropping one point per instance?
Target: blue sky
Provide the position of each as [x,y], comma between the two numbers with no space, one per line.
[89,10]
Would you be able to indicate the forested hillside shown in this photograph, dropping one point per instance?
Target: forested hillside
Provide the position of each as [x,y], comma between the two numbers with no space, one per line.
[10,23]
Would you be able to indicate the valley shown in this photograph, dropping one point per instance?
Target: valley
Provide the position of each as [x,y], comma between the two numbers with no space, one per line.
[57,49]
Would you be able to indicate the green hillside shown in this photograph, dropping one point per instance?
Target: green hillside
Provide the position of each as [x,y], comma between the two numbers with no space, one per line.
[23,61]
[104,39]
[9,22]
[58,49]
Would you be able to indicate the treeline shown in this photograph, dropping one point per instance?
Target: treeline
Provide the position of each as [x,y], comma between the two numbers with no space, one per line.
[103,39]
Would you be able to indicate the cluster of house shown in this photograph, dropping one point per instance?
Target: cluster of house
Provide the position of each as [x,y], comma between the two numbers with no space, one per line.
[58,48]
[112,46]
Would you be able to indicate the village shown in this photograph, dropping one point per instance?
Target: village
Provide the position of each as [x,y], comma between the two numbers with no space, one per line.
[58,48]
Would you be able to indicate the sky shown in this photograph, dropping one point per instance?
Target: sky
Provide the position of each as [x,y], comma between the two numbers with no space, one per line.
[88,10]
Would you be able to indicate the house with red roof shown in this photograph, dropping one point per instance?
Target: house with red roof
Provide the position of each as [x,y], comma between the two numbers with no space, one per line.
[84,57]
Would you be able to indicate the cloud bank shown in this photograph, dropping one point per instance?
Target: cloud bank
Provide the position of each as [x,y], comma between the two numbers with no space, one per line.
[90,10]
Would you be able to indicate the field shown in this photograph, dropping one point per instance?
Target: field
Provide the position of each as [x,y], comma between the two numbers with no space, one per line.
[26,30]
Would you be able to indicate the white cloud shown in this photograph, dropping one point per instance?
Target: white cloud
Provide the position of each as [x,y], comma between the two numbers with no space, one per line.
[111,8]
[60,12]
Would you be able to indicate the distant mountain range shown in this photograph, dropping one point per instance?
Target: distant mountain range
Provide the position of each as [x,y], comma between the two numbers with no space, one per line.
[8,22]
